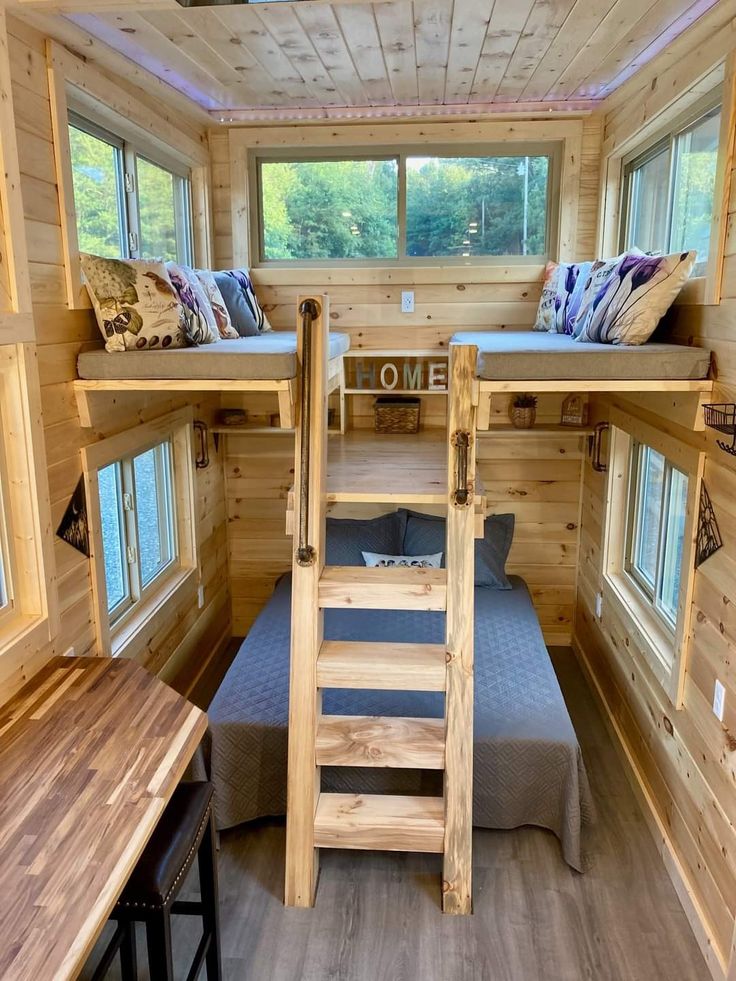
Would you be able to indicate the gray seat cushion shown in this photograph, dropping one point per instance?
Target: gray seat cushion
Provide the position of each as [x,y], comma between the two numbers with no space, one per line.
[265,356]
[534,355]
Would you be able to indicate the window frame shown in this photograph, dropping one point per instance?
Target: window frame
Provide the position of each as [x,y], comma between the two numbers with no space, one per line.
[31,618]
[179,578]
[552,149]
[130,152]
[664,647]
[664,140]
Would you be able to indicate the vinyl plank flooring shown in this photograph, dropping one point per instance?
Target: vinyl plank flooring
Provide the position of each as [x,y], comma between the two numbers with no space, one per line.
[377,916]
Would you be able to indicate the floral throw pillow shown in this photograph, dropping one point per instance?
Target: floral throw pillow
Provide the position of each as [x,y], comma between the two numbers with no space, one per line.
[547,310]
[135,303]
[198,318]
[242,303]
[376,560]
[562,293]
[640,289]
[219,309]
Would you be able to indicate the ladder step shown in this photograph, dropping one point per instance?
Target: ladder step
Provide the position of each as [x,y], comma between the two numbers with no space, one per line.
[393,667]
[380,821]
[371,740]
[398,588]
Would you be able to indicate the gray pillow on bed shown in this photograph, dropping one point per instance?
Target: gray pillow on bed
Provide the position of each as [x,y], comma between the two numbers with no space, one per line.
[348,538]
[425,533]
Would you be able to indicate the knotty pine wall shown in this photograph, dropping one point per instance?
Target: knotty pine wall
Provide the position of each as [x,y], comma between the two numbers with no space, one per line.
[535,476]
[684,760]
[188,635]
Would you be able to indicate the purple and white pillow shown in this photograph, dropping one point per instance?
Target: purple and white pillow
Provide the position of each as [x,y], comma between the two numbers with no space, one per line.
[562,294]
[198,319]
[625,305]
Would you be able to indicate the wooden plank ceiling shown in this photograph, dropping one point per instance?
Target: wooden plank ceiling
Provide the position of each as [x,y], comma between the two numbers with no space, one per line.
[400,53]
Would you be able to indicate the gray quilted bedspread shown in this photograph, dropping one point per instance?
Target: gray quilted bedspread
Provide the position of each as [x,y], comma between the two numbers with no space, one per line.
[527,762]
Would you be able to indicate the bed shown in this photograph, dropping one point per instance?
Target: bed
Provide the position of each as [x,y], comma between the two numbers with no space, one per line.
[264,363]
[538,356]
[528,765]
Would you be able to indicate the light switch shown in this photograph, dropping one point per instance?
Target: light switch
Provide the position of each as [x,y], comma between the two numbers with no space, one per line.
[407,301]
[719,700]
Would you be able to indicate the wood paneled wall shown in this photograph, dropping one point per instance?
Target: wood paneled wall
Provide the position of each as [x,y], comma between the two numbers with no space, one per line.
[684,761]
[187,635]
[537,477]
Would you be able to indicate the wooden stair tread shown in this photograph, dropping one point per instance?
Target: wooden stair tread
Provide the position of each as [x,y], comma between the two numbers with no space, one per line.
[383,822]
[397,588]
[371,740]
[384,666]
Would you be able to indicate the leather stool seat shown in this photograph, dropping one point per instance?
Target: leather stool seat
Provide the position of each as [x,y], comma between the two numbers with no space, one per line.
[171,850]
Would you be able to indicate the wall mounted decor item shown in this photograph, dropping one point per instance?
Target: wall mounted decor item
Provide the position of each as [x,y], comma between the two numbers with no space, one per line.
[722,417]
[709,537]
[73,527]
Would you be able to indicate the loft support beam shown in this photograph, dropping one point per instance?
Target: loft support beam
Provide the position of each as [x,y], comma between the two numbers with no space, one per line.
[457,863]
[307,619]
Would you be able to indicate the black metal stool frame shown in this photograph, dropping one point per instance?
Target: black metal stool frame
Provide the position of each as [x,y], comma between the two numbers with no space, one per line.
[158,919]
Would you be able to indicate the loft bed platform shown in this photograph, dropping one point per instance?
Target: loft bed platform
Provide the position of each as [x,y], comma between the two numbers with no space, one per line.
[266,363]
[539,362]
[395,471]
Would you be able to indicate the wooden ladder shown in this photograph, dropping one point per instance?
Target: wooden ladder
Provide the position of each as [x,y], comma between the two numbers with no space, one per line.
[364,821]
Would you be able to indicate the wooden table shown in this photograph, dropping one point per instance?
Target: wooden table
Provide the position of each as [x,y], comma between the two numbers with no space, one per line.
[91,750]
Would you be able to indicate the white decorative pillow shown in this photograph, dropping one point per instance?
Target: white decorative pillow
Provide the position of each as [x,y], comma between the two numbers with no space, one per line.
[638,293]
[219,308]
[375,559]
[598,277]
[135,303]
[199,320]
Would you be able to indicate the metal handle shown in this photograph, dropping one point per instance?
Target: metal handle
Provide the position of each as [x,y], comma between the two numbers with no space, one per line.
[598,465]
[462,495]
[202,460]
[305,553]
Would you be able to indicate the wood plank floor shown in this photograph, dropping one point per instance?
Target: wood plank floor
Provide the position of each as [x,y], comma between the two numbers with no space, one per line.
[377,916]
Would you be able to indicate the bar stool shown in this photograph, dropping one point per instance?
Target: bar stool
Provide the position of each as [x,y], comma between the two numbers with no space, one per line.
[186,829]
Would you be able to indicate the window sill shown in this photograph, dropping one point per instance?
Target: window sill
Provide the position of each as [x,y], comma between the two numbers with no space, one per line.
[648,633]
[23,635]
[125,636]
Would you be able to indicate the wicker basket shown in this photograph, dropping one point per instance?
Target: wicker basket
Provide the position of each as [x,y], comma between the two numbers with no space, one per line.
[397,415]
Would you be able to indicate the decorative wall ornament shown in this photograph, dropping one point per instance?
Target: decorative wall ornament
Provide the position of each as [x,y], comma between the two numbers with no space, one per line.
[574,410]
[414,376]
[73,527]
[709,537]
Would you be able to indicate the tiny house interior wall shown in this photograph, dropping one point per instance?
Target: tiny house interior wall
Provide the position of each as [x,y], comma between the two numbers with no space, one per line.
[682,760]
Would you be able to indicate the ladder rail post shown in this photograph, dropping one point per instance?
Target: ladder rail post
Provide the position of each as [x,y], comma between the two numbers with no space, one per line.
[460,562]
[307,619]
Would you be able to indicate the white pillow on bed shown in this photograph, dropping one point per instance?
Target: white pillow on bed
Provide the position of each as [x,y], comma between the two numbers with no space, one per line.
[374,559]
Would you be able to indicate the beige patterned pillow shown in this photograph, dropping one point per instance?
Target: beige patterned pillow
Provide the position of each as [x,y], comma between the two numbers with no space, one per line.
[137,308]
[222,316]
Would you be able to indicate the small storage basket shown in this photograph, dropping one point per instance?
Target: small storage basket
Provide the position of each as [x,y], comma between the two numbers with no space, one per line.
[721,416]
[397,415]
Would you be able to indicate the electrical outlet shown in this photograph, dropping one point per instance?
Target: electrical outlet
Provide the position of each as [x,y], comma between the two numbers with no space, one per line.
[719,700]
[599,605]
[200,597]
[407,301]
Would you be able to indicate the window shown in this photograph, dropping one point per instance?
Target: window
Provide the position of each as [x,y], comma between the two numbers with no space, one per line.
[127,204]
[406,206]
[656,529]
[669,190]
[140,487]
[651,514]
[28,614]
[138,522]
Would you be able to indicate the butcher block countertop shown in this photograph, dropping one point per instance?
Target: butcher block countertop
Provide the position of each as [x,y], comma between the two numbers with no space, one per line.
[91,750]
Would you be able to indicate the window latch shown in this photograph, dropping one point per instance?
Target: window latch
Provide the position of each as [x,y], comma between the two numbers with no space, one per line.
[128,502]
[131,554]
[132,241]
[129,183]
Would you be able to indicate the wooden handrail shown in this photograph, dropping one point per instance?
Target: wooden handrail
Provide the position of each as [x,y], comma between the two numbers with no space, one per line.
[305,553]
